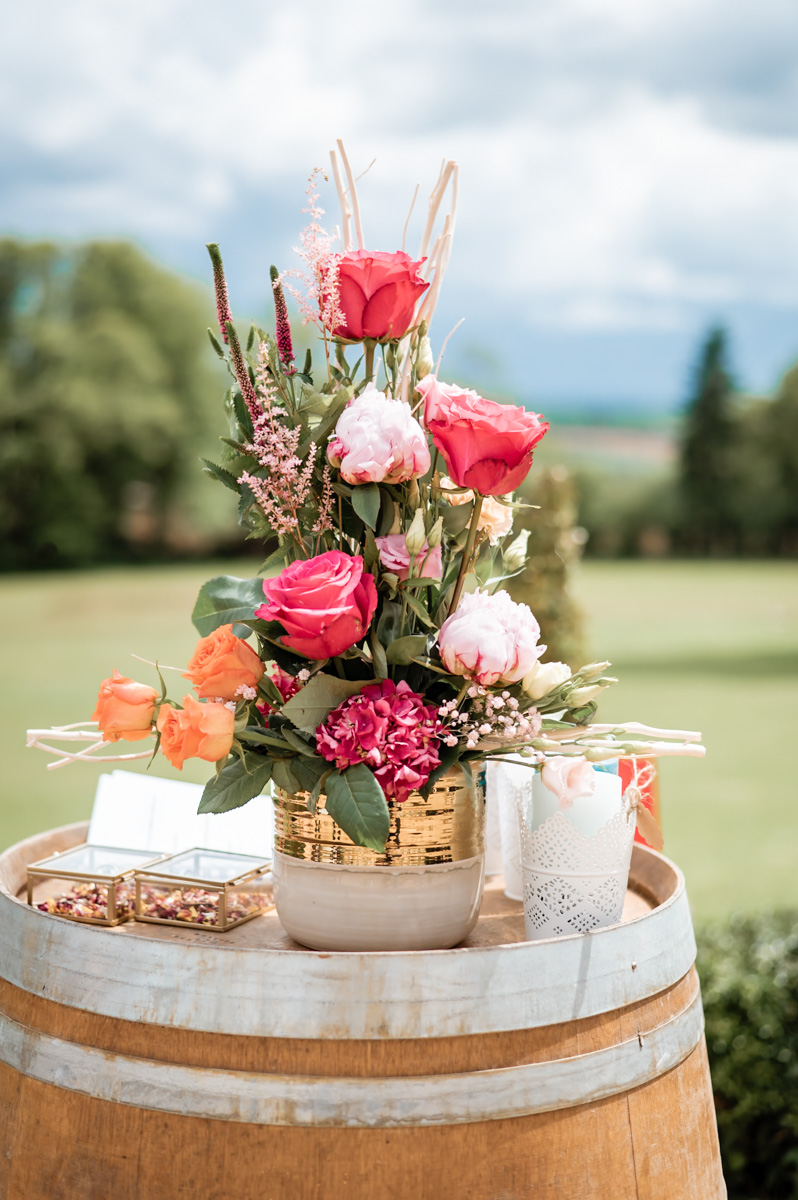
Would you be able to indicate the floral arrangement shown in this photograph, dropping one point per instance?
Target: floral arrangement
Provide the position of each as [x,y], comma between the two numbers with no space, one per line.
[375,651]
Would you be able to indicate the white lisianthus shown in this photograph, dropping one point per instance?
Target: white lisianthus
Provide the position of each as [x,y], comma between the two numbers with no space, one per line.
[378,440]
[495,519]
[544,678]
[490,639]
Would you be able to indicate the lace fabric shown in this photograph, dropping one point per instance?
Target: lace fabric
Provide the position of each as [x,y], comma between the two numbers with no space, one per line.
[573,883]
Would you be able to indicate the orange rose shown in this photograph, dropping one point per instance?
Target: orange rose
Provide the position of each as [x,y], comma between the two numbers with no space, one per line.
[222,663]
[195,731]
[125,709]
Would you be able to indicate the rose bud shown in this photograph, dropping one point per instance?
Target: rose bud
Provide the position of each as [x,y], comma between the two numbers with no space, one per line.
[325,604]
[568,778]
[195,731]
[125,709]
[377,294]
[544,678]
[491,639]
[487,446]
[378,440]
[223,664]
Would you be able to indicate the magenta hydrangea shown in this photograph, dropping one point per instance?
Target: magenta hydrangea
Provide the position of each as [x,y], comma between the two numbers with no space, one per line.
[388,727]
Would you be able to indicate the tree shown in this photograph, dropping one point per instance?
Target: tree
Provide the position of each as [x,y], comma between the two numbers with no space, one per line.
[707,468]
[108,394]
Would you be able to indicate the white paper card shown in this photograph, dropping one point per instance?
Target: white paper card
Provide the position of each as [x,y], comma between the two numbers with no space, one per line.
[144,812]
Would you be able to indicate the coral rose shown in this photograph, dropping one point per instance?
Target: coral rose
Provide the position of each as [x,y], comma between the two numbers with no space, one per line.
[395,557]
[325,604]
[125,709]
[195,731]
[495,519]
[491,639]
[568,778]
[487,446]
[378,440]
[377,294]
[222,664]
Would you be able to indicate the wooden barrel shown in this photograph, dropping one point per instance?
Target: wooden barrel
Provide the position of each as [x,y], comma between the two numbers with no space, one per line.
[146,1063]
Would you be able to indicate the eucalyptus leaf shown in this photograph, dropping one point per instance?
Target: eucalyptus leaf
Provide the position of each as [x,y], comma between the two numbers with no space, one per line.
[224,600]
[322,693]
[236,784]
[357,803]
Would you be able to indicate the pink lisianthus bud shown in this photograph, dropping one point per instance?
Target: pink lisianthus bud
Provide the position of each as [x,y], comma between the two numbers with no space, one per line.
[487,446]
[377,294]
[490,639]
[388,727]
[325,603]
[568,778]
[395,557]
[378,440]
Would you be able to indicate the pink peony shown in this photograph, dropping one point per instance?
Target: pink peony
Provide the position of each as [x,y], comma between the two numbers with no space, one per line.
[490,638]
[568,778]
[388,727]
[378,440]
[325,603]
[377,294]
[487,446]
[395,557]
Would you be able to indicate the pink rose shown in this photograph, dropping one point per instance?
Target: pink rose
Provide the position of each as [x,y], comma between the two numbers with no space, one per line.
[487,446]
[395,557]
[491,639]
[377,294]
[378,440]
[325,604]
[568,778]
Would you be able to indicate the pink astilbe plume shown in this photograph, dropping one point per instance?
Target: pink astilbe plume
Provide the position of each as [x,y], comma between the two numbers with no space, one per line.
[319,301]
[282,326]
[324,522]
[284,489]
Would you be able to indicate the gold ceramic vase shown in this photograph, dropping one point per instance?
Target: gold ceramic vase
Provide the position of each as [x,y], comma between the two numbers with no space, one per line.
[422,892]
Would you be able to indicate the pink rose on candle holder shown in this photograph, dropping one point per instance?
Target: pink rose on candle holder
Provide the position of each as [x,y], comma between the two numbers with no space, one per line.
[395,557]
[377,294]
[490,639]
[325,604]
[569,778]
[378,440]
[487,446]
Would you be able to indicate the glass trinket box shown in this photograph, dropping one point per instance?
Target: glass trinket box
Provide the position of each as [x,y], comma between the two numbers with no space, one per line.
[207,889]
[98,883]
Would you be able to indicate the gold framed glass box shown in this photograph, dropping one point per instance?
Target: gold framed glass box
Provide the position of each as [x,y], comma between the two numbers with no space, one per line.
[205,889]
[89,883]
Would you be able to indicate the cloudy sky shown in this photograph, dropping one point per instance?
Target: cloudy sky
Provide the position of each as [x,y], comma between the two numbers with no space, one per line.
[629,170]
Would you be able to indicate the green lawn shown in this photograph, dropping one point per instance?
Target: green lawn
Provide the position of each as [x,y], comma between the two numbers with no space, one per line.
[710,646]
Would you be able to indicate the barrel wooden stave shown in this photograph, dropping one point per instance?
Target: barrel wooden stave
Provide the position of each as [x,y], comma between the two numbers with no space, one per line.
[649,1142]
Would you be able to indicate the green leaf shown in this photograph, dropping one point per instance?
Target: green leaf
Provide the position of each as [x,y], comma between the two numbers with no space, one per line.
[236,784]
[315,791]
[284,777]
[325,425]
[405,649]
[216,472]
[262,737]
[448,756]
[308,772]
[275,559]
[298,743]
[387,512]
[356,802]
[455,518]
[308,708]
[420,611]
[378,655]
[215,344]
[224,600]
[390,622]
[420,582]
[366,503]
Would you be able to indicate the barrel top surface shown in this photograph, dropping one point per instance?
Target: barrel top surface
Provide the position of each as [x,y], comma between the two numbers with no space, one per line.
[255,980]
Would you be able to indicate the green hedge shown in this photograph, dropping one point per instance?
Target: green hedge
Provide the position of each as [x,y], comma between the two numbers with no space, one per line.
[749,979]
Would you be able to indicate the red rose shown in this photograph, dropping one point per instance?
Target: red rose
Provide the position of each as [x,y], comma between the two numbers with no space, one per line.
[487,446]
[377,294]
[325,604]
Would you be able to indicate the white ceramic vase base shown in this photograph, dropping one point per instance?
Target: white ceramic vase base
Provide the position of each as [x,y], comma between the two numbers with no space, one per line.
[327,906]
[574,883]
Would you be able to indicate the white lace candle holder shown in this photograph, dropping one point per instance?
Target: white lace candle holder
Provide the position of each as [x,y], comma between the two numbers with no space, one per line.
[575,861]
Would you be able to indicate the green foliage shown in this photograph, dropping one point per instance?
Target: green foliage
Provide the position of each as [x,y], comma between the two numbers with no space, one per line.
[236,784]
[105,403]
[749,977]
[308,708]
[225,600]
[356,802]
